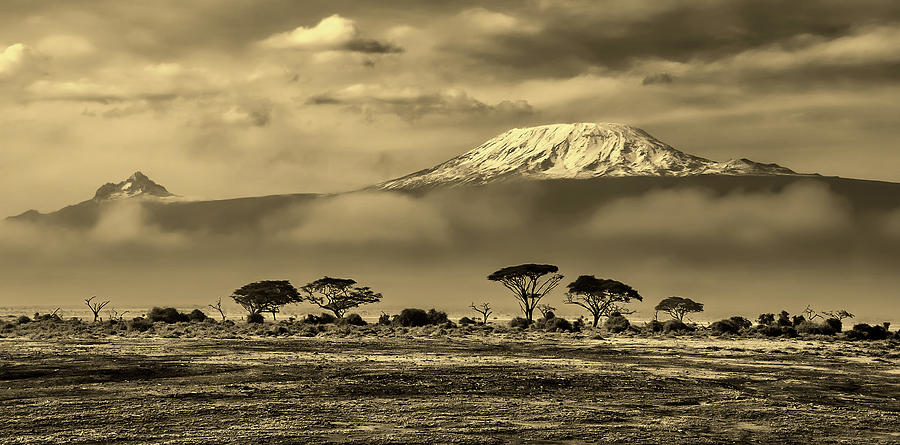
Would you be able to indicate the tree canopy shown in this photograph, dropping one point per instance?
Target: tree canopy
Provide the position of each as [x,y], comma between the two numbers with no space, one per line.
[678,307]
[266,296]
[338,294]
[600,296]
[528,283]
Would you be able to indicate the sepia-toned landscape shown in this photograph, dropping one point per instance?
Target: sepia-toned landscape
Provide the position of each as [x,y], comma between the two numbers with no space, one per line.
[539,221]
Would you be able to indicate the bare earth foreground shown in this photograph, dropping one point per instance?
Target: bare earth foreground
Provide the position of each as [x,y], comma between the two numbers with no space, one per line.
[517,388]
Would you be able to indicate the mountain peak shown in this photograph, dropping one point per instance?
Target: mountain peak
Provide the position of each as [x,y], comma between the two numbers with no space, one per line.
[138,184]
[574,150]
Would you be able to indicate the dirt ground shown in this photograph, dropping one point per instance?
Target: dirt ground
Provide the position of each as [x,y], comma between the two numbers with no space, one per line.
[543,388]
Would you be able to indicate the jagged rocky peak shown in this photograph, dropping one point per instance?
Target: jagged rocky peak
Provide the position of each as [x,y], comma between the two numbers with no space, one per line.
[579,150]
[137,184]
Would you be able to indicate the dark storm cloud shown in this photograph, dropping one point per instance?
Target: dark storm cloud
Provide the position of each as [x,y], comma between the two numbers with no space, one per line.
[372,46]
[576,36]
[658,78]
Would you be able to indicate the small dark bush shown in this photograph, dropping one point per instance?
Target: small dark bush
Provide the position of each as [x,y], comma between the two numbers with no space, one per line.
[23,320]
[777,331]
[437,317]
[558,324]
[864,331]
[549,315]
[139,324]
[741,322]
[412,317]
[835,325]
[811,327]
[166,315]
[578,324]
[325,318]
[466,321]
[255,317]
[617,323]
[766,319]
[520,322]
[797,319]
[653,326]
[354,320]
[197,315]
[784,319]
[733,326]
[384,319]
[676,326]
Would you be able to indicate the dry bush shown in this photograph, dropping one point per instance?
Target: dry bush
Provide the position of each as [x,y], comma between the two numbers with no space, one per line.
[865,331]
[616,323]
[166,315]
[520,323]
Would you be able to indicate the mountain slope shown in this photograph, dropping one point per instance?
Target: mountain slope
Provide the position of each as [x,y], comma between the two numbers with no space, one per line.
[574,151]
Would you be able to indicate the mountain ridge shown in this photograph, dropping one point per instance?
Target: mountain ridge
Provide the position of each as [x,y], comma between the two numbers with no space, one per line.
[574,151]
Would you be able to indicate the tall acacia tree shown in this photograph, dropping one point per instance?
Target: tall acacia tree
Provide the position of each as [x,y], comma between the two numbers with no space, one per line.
[338,294]
[266,296]
[528,283]
[599,296]
[678,307]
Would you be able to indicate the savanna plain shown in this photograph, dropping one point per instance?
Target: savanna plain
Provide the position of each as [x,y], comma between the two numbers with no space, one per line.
[290,382]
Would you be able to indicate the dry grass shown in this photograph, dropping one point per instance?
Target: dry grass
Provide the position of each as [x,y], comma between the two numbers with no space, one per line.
[434,385]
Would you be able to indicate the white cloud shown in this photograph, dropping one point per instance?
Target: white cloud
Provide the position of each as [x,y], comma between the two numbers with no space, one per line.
[15,58]
[333,33]
[490,22]
[367,218]
[164,80]
[65,46]
[801,211]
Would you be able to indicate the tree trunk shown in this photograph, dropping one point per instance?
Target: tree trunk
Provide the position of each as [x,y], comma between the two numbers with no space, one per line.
[529,314]
[596,319]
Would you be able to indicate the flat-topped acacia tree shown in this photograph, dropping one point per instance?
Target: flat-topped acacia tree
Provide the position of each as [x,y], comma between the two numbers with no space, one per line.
[338,295]
[266,296]
[528,283]
[600,296]
[678,307]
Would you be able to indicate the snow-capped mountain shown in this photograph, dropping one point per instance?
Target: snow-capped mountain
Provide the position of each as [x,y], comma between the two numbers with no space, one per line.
[136,185]
[580,150]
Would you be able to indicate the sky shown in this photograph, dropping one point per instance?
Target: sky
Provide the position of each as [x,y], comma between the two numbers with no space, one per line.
[221,99]
[217,99]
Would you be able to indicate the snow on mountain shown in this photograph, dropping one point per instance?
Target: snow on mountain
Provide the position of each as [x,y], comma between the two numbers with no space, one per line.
[136,185]
[580,150]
